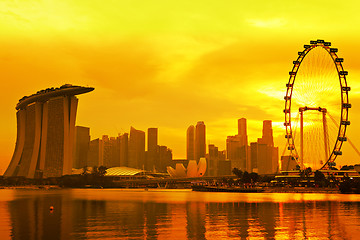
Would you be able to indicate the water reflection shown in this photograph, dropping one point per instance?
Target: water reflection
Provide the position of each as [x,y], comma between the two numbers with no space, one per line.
[117,214]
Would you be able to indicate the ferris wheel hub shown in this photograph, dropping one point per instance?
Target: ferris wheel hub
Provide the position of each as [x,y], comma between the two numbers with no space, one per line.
[320,109]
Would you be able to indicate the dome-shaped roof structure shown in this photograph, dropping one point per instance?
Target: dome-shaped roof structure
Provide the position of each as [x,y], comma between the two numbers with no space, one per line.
[123,171]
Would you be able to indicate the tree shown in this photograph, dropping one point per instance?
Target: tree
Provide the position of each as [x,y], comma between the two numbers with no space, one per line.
[246,177]
[254,177]
[308,171]
[95,171]
[238,172]
[102,170]
[319,178]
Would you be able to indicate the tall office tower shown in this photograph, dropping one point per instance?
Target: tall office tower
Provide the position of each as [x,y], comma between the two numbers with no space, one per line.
[137,149]
[190,143]
[115,151]
[106,151]
[200,141]
[267,133]
[110,152]
[236,152]
[233,151]
[95,153]
[124,147]
[152,149]
[46,133]
[82,141]
[275,160]
[242,134]
[266,154]
[165,158]
[242,131]
[224,166]
[212,160]
[254,156]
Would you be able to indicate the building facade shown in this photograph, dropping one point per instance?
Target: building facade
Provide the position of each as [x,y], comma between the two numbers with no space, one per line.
[46,133]
[82,141]
[200,140]
[190,143]
[124,149]
[264,156]
[136,157]
[152,149]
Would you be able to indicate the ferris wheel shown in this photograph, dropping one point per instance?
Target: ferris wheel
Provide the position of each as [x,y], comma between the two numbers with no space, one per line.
[316,106]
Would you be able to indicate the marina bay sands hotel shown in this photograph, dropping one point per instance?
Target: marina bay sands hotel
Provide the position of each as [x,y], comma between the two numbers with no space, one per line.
[45,133]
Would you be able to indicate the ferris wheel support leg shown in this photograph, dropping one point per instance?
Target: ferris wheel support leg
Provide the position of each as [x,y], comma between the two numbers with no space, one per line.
[302,140]
[326,138]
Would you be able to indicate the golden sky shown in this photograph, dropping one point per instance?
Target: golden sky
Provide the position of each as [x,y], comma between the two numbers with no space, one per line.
[169,64]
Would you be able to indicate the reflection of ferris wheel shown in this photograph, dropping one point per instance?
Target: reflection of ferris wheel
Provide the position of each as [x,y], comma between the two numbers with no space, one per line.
[313,140]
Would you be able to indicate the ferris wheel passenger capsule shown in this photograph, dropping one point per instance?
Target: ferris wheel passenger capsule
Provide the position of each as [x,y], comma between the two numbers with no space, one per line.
[333,50]
[287,98]
[327,44]
[338,152]
[320,41]
[345,122]
[346,105]
[313,42]
[339,60]
[343,73]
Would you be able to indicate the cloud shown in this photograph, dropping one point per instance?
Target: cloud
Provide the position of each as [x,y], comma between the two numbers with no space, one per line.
[270,23]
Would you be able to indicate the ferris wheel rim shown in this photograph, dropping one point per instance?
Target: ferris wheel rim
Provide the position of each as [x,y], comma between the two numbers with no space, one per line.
[344,94]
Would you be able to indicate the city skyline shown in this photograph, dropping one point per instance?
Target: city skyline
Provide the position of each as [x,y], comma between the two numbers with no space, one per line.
[170,66]
[261,157]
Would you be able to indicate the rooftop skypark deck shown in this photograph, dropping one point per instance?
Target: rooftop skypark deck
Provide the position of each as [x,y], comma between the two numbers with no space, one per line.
[44,95]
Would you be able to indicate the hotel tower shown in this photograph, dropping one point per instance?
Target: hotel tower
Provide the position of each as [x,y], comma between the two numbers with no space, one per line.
[45,133]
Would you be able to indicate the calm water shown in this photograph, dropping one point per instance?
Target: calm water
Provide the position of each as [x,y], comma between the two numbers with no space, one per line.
[176,214]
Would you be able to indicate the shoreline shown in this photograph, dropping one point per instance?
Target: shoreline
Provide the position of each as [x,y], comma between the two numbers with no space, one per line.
[301,190]
[265,189]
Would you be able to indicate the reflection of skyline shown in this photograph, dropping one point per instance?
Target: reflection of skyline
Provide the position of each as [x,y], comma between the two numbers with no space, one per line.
[30,218]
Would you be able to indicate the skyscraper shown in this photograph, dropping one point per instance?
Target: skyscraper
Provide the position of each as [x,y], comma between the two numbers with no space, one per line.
[190,143]
[200,141]
[212,160]
[242,131]
[165,158]
[82,141]
[152,149]
[136,149]
[264,156]
[95,157]
[233,152]
[237,148]
[267,133]
[110,151]
[46,133]
[124,149]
